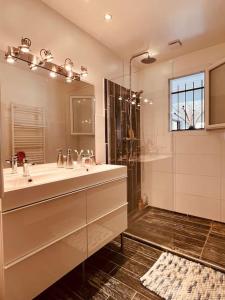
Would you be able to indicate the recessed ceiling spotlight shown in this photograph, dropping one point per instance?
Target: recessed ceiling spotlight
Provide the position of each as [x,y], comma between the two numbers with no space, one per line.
[108,17]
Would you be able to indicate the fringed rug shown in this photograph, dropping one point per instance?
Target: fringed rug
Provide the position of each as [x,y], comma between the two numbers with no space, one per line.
[176,278]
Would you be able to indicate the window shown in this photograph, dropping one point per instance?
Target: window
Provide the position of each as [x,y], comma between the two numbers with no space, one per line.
[187,102]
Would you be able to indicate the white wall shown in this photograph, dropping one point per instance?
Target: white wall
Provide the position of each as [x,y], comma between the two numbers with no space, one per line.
[188,174]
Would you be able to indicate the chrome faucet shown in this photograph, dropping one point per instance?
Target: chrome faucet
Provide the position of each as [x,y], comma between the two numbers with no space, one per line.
[26,171]
[69,159]
[13,163]
[79,155]
[89,159]
[60,159]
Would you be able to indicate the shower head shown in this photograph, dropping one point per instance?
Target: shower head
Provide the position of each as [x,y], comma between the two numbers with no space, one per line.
[148,60]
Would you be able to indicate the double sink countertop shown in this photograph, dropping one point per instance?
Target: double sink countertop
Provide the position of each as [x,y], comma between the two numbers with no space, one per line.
[47,181]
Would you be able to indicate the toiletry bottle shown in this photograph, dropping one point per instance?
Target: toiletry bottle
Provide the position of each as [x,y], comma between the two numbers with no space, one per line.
[69,159]
[60,159]
[26,172]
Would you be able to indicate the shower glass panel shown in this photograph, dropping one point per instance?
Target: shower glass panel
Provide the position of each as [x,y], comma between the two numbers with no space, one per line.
[150,222]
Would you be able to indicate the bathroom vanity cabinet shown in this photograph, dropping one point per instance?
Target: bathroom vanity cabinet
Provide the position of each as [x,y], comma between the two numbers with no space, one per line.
[48,228]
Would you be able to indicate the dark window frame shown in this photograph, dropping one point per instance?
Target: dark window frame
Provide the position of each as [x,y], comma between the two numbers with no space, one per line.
[202,88]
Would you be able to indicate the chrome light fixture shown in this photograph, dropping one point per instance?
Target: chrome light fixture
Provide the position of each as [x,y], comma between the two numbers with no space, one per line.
[84,72]
[44,61]
[46,55]
[25,45]
[68,65]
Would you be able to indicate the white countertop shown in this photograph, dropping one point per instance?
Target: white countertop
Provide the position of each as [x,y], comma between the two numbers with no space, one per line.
[49,181]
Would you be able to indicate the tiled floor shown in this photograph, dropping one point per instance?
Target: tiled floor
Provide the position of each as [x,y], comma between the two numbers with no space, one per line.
[194,236]
[115,275]
[111,275]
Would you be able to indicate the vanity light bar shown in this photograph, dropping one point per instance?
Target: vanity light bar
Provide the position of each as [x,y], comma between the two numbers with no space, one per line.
[23,53]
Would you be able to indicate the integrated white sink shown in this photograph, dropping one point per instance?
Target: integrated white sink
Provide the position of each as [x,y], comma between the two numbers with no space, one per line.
[48,181]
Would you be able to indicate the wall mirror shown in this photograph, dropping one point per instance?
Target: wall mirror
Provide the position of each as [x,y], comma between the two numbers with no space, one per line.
[82,115]
[35,113]
[215,97]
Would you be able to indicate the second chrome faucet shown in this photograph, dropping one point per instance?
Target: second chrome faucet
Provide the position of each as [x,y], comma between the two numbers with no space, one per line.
[83,158]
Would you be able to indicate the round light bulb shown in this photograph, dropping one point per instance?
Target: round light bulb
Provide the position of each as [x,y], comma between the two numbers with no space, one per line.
[120,98]
[53,74]
[108,17]
[68,67]
[25,49]
[69,79]
[84,75]
[10,59]
[146,100]
[33,67]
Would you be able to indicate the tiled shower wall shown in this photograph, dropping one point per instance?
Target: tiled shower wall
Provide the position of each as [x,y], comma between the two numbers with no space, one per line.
[184,171]
[192,180]
[121,149]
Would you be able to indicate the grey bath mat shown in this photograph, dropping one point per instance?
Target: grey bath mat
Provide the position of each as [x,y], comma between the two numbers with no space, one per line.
[176,278]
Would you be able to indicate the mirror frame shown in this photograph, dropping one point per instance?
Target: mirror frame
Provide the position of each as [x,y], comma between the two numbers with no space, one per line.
[209,126]
[92,133]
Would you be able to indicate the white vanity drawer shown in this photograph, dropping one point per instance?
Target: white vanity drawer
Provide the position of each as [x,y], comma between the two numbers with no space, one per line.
[105,198]
[105,229]
[29,228]
[28,278]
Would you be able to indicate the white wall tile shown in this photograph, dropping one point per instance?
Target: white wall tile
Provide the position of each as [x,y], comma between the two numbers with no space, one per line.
[162,199]
[198,164]
[198,206]
[203,186]
[197,144]
[162,181]
[163,165]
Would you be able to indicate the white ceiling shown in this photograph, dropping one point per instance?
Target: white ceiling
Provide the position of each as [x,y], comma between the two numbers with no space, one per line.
[148,24]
